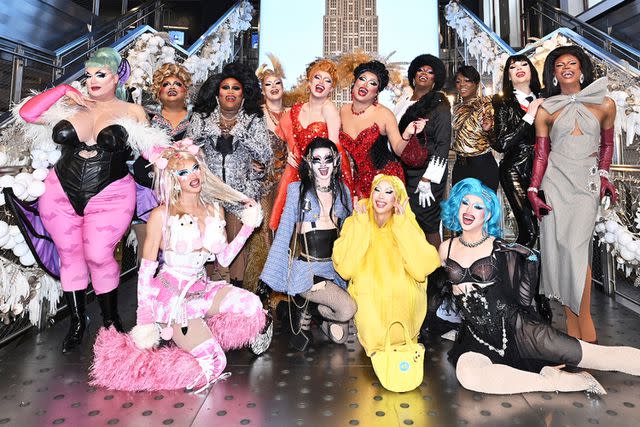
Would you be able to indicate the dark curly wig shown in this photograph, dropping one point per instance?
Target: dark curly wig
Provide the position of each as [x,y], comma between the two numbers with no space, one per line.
[377,68]
[435,63]
[507,84]
[206,101]
[586,66]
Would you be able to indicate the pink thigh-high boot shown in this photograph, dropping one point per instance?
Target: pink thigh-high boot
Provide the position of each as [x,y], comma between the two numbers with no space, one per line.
[212,361]
[240,321]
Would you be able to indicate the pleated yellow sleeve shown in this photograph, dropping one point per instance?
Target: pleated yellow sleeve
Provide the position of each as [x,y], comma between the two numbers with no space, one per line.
[349,250]
[419,257]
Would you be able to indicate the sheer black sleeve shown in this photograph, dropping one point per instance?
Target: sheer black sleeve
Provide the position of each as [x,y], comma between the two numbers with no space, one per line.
[519,267]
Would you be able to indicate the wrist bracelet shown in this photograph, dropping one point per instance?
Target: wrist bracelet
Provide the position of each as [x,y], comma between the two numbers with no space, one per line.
[603,173]
[532,190]
[406,139]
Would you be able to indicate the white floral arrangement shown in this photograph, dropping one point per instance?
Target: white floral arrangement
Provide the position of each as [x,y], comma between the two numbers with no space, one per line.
[218,48]
[148,53]
[621,242]
[487,53]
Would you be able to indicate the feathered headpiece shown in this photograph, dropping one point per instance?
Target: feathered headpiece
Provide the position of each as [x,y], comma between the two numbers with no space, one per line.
[276,68]
[348,62]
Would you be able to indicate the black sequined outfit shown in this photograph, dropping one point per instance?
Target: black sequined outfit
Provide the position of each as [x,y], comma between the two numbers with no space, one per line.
[499,320]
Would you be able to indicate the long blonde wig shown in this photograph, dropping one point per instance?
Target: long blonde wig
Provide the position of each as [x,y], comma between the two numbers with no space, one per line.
[167,186]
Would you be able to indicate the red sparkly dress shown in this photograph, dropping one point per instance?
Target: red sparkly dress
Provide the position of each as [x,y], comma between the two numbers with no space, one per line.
[298,139]
[360,150]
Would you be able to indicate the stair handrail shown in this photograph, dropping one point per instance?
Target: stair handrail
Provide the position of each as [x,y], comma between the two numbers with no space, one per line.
[198,44]
[553,13]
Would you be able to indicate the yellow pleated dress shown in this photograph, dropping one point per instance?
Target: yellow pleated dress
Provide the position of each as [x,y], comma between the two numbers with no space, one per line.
[387,268]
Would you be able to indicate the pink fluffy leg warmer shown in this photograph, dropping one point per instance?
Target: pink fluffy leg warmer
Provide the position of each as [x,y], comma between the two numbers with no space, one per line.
[240,320]
[120,365]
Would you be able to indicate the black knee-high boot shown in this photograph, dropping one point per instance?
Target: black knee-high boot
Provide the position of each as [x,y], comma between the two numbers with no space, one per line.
[78,319]
[109,306]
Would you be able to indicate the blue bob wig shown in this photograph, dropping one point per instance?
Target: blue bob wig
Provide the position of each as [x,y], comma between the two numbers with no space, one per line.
[472,186]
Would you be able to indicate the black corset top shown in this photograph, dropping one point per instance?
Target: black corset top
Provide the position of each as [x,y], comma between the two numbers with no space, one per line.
[111,138]
[82,178]
[317,244]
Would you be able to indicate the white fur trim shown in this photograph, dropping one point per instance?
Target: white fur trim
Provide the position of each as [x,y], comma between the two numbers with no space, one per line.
[146,336]
[142,137]
[252,216]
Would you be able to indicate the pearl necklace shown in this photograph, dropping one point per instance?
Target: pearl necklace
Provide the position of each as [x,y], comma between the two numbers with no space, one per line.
[473,244]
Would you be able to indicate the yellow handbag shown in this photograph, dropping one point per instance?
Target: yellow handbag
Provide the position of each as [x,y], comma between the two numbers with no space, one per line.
[399,367]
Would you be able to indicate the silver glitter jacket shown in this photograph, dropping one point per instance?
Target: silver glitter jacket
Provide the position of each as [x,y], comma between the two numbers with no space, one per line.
[250,143]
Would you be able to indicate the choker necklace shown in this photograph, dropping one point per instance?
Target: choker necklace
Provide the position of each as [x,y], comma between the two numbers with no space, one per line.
[323,188]
[472,244]
[359,113]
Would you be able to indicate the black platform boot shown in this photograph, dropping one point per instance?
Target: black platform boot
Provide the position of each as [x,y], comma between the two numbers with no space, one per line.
[78,319]
[544,308]
[109,306]
[300,323]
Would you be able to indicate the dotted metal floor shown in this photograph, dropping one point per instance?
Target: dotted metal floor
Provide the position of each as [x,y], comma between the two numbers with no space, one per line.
[332,385]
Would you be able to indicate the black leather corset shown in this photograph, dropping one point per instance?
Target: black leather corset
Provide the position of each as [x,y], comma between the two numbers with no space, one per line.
[83,178]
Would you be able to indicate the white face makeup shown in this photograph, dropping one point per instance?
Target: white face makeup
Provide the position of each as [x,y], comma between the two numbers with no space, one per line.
[520,72]
[272,88]
[189,176]
[100,82]
[384,197]
[320,84]
[471,213]
[366,87]
[322,164]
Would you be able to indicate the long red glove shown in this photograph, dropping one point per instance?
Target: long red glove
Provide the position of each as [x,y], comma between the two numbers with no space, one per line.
[36,106]
[540,160]
[606,155]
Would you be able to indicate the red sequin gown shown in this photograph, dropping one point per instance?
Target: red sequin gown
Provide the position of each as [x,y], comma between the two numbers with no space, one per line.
[360,149]
[298,139]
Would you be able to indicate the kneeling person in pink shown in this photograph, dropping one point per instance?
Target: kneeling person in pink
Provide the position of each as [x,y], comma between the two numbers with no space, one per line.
[202,317]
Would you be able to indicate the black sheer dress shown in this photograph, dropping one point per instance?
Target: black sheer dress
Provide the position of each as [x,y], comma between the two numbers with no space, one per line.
[499,320]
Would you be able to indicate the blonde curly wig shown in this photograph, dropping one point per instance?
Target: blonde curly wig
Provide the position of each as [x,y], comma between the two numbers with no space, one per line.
[170,70]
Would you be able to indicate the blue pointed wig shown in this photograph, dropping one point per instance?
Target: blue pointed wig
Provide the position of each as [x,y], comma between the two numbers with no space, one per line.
[475,187]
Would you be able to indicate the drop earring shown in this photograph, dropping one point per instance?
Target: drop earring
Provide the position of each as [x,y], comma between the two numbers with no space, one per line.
[554,81]
[581,78]
[375,101]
